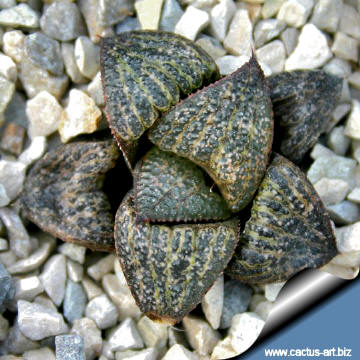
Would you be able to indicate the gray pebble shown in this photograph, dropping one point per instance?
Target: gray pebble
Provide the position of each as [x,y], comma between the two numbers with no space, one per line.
[7,288]
[343,213]
[337,141]
[15,110]
[62,20]
[74,301]
[44,353]
[44,52]
[70,347]
[128,24]
[237,297]
[171,14]
[266,30]
[113,11]
[290,38]
[4,245]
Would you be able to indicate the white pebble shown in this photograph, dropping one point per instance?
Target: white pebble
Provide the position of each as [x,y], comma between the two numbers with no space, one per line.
[272,55]
[290,37]
[352,128]
[229,63]
[102,267]
[338,141]
[272,290]
[221,15]
[12,176]
[295,12]
[13,44]
[345,47]
[149,13]
[8,68]
[86,56]
[350,21]
[73,251]
[347,273]
[327,13]
[354,195]
[21,15]
[332,191]
[179,352]
[102,311]
[35,150]
[28,288]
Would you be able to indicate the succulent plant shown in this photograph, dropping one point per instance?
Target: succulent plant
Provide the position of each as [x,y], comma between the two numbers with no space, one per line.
[186,218]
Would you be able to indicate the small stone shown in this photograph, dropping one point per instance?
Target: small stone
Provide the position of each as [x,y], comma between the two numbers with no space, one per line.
[237,297]
[13,44]
[8,68]
[86,56]
[8,258]
[102,311]
[177,336]
[238,40]
[347,238]
[4,199]
[349,259]
[75,271]
[53,278]
[121,296]
[38,322]
[7,288]
[339,113]
[35,80]
[223,350]
[12,176]
[91,289]
[4,328]
[345,47]
[73,251]
[147,354]
[221,15]
[70,347]
[3,242]
[354,80]
[21,15]
[68,54]
[62,21]
[35,260]
[81,116]
[350,21]
[331,191]
[212,303]
[354,195]
[44,113]
[192,22]
[179,352]
[320,150]
[171,14]
[272,290]
[125,336]
[102,267]
[87,329]
[312,50]
[89,9]
[263,309]
[18,237]
[15,110]
[95,91]
[119,272]
[229,63]
[352,128]
[34,151]
[5,4]
[74,301]
[337,141]
[271,8]
[333,167]
[272,55]
[111,12]
[245,329]
[153,333]
[128,24]
[27,288]
[290,37]
[44,300]
[326,15]
[16,343]
[266,30]
[211,46]
[7,90]
[39,354]
[13,137]
[149,13]
[295,12]
[347,273]
[200,335]
[343,213]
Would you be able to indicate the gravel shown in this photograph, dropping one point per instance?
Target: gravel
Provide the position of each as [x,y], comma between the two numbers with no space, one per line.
[59,298]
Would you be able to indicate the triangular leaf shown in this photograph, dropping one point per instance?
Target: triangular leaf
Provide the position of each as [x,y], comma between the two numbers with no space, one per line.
[144,73]
[289,229]
[303,101]
[170,188]
[227,129]
[170,268]
[62,194]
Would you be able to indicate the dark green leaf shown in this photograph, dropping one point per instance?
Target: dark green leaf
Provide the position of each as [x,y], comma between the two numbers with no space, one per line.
[289,229]
[170,268]
[62,194]
[227,129]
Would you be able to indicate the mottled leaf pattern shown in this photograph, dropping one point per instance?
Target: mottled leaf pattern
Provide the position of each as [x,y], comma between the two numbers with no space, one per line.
[62,194]
[169,268]
[303,101]
[289,229]
[144,73]
[170,188]
[227,129]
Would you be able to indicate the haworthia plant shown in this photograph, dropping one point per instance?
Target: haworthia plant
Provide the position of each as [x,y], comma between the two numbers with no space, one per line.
[143,74]
[289,229]
[62,194]
[227,129]
[170,188]
[303,102]
[170,267]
